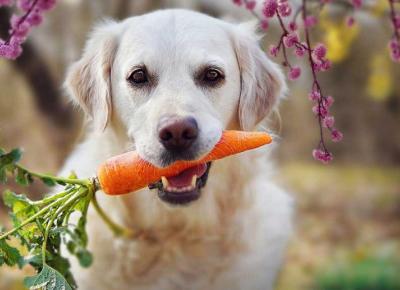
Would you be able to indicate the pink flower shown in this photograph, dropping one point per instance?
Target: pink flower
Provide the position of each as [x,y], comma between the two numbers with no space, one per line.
[290,39]
[299,51]
[264,24]
[11,50]
[19,27]
[273,50]
[294,73]
[328,101]
[250,5]
[319,51]
[396,21]
[293,26]
[314,96]
[350,21]
[321,155]
[320,110]
[310,21]
[284,9]
[34,19]
[328,121]
[46,4]
[394,47]
[270,7]
[356,3]
[325,64]
[237,2]
[24,5]
[317,66]
[6,3]
[336,135]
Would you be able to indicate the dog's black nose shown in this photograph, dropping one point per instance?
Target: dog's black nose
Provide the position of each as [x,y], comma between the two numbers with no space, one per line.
[177,133]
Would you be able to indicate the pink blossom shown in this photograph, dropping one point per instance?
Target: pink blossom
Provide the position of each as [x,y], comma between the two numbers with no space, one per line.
[322,65]
[328,121]
[317,66]
[46,4]
[320,110]
[293,26]
[34,19]
[24,5]
[273,50]
[322,155]
[299,51]
[264,24]
[284,8]
[250,5]
[396,21]
[237,2]
[328,101]
[6,3]
[314,95]
[270,7]
[21,25]
[294,73]
[319,51]
[336,135]
[356,3]
[394,46]
[325,64]
[310,21]
[350,21]
[290,39]
[11,50]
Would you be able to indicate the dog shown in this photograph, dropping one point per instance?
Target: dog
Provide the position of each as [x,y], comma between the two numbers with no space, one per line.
[167,84]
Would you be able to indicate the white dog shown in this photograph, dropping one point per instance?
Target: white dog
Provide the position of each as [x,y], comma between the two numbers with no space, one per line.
[166,84]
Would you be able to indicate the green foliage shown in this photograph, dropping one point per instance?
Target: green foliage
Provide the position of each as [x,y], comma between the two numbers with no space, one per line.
[42,226]
[371,273]
[9,255]
[48,279]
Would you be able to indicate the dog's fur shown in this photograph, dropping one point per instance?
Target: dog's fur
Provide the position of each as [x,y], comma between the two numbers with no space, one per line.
[234,236]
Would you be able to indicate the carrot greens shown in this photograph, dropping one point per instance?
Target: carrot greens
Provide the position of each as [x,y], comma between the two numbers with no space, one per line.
[40,228]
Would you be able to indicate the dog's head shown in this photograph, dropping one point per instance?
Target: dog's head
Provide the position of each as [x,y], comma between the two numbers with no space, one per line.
[173,80]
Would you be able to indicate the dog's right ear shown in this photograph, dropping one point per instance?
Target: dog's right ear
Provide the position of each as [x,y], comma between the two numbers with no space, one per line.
[88,79]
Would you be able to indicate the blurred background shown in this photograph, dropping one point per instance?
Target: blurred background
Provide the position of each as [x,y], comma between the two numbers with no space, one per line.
[348,213]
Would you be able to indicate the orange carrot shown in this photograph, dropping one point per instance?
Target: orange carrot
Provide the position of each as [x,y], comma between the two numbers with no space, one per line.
[129,172]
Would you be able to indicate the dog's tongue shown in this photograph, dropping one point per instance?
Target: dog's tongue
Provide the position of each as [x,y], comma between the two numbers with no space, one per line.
[184,178]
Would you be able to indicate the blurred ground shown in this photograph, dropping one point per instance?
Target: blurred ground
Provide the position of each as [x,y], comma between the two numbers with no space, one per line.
[345,211]
[342,212]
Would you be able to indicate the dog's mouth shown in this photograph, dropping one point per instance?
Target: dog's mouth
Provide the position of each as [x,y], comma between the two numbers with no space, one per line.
[185,187]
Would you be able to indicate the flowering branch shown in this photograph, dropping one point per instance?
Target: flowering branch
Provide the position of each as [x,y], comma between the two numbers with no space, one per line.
[316,58]
[32,10]
[394,44]
[316,55]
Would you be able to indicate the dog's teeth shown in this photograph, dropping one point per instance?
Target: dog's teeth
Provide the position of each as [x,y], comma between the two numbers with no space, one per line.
[165,182]
[194,179]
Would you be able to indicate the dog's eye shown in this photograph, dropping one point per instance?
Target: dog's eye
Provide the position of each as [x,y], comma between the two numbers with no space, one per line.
[212,76]
[138,77]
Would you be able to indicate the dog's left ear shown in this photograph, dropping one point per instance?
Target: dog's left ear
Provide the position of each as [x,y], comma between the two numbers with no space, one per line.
[88,79]
[262,81]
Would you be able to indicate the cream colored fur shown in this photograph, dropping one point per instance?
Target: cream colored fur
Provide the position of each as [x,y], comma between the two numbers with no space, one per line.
[234,236]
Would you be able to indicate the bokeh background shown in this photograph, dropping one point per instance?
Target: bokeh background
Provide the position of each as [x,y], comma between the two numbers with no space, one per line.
[347,225]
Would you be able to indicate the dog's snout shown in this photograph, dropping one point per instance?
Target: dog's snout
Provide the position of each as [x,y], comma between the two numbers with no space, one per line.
[177,133]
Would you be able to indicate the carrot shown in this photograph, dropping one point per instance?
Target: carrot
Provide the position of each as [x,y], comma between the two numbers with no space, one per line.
[129,172]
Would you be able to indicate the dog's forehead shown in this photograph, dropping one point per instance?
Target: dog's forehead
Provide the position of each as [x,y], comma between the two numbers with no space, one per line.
[169,32]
